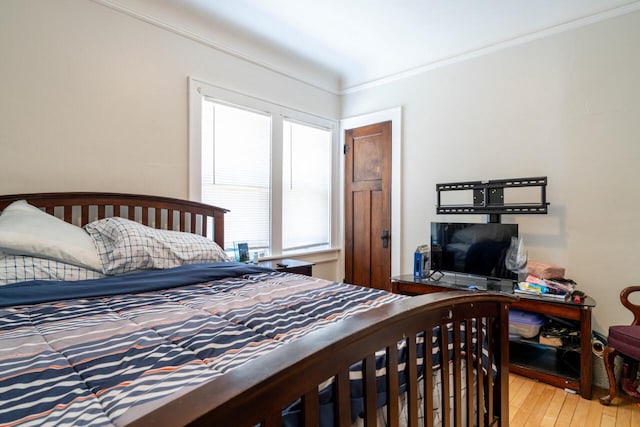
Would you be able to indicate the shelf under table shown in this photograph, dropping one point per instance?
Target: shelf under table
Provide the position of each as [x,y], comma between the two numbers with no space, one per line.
[545,359]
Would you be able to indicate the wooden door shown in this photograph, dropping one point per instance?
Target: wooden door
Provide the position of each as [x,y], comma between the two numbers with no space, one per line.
[368,206]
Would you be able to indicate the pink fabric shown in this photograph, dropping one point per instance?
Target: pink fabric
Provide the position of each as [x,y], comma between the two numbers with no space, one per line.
[625,339]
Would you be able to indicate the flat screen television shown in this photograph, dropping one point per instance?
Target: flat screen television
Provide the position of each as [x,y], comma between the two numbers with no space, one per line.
[472,248]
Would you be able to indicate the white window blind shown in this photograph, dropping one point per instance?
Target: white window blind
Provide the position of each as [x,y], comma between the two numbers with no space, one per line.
[236,166]
[273,167]
[306,186]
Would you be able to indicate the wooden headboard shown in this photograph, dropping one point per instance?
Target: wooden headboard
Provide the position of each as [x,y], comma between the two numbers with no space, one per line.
[80,208]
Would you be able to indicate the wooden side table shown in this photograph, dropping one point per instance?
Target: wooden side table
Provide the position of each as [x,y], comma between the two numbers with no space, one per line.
[526,357]
[289,265]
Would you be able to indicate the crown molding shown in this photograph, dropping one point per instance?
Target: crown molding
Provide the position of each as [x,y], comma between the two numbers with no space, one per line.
[556,29]
[142,16]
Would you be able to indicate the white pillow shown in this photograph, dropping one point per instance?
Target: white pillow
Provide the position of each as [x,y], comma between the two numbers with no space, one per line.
[27,230]
[125,245]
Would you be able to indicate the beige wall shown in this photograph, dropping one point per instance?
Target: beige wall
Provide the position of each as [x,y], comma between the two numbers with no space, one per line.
[92,99]
[566,106]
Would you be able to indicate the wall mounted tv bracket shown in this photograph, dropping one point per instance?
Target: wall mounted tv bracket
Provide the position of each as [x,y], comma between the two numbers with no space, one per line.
[488,197]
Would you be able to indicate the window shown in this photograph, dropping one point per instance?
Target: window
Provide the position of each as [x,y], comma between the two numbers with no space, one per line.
[269,165]
[236,167]
[306,184]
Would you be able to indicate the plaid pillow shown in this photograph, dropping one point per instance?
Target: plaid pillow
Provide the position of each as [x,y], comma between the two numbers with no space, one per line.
[18,268]
[125,245]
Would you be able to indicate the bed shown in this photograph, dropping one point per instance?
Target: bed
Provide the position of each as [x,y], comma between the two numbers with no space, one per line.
[213,342]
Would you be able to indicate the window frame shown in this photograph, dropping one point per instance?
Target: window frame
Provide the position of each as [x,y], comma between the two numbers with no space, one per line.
[198,90]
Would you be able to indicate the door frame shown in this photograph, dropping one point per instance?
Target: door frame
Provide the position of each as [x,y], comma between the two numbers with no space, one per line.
[395,116]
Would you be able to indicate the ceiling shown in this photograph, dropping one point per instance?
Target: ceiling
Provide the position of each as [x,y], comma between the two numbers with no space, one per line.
[346,45]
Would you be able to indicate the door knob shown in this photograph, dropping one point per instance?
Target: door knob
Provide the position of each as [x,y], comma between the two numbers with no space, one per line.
[385,238]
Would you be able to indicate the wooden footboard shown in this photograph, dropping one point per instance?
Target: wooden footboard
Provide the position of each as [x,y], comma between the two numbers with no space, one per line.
[257,392]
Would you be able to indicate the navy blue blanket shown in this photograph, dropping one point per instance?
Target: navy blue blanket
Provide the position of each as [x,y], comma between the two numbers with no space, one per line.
[38,291]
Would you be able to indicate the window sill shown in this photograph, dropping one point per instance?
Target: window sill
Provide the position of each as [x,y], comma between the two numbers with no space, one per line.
[327,252]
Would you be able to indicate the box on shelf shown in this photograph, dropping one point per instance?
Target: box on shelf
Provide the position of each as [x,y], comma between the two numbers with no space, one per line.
[524,323]
[550,341]
[545,270]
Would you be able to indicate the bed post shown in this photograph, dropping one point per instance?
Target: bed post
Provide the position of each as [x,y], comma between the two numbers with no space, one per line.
[218,227]
[502,355]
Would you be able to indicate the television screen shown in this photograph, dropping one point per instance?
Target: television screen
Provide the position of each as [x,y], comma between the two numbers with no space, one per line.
[476,249]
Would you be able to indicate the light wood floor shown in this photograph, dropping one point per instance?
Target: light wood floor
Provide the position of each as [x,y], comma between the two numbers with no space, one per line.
[533,403]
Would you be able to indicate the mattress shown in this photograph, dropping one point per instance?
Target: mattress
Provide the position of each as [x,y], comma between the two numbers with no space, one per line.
[84,352]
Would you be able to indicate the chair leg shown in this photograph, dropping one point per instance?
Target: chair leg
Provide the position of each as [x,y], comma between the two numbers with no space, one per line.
[608,356]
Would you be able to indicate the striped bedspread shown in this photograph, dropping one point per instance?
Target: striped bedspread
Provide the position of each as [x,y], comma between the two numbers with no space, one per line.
[87,360]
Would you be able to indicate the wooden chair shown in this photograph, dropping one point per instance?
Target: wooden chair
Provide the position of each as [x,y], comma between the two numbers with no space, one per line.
[623,340]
